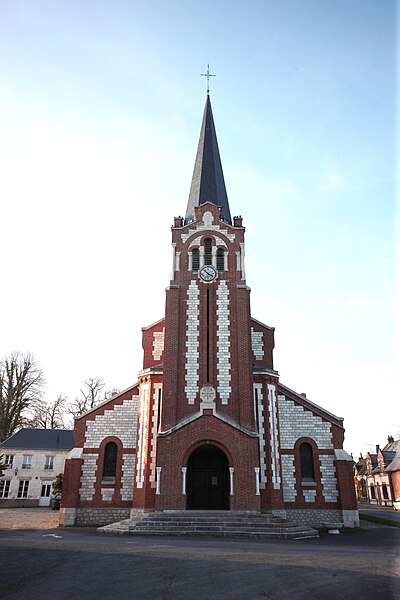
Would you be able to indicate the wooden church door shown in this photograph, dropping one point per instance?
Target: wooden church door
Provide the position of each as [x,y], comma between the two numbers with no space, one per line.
[208,479]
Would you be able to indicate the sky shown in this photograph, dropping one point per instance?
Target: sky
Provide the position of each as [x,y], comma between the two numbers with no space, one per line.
[100,112]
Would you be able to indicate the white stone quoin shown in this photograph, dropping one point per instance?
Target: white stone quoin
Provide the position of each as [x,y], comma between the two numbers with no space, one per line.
[192,343]
[223,343]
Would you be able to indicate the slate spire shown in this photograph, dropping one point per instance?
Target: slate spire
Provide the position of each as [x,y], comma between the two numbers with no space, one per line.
[208,183]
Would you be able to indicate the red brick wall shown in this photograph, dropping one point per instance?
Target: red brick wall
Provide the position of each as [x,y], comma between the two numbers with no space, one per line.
[395,481]
[267,361]
[147,344]
[345,477]
[174,452]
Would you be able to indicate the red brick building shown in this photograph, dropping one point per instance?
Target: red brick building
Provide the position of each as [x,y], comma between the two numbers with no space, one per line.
[378,474]
[208,425]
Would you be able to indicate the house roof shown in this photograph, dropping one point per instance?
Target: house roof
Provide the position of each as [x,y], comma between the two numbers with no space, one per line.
[392,446]
[387,459]
[40,439]
[361,469]
[208,184]
[394,465]
[374,459]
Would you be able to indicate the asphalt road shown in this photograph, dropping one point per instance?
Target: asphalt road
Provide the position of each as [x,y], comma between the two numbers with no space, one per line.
[387,513]
[76,564]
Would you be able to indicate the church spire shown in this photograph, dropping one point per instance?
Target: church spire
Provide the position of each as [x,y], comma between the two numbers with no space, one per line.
[208,183]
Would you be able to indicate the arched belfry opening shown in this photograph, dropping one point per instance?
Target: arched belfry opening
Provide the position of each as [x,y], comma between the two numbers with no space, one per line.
[208,479]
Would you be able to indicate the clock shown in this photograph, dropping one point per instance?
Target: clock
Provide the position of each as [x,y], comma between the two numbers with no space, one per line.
[208,273]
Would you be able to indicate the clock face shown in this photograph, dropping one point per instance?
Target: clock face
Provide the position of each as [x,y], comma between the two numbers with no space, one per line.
[208,273]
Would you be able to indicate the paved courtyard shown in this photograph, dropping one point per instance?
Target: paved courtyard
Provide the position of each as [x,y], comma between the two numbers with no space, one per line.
[43,561]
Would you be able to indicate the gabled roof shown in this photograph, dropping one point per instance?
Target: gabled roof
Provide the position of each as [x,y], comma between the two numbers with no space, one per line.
[107,401]
[387,459]
[208,184]
[40,439]
[308,405]
[361,467]
[253,320]
[392,446]
[394,465]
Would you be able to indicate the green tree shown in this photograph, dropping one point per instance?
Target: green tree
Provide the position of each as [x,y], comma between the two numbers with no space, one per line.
[57,484]
[3,465]
[21,389]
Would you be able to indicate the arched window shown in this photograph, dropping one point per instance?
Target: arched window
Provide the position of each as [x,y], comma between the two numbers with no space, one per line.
[195,260]
[207,251]
[220,260]
[307,463]
[110,460]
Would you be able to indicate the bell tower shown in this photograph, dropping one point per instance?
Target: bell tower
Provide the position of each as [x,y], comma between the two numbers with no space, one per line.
[205,447]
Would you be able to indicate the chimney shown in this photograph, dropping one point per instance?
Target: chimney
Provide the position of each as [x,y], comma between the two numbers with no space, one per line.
[237,221]
[390,439]
[377,448]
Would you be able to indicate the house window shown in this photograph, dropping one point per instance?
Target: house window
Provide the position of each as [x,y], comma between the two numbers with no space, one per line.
[23,488]
[46,489]
[385,491]
[27,461]
[307,463]
[9,460]
[207,251]
[372,492]
[220,260]
[110,460]
[49,464]
[4,488]
[195,260]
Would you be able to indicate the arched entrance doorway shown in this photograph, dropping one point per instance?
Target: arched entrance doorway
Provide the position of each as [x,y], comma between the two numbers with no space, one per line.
[208,479]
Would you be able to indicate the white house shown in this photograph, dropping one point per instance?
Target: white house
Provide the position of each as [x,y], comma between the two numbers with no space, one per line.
[34,458]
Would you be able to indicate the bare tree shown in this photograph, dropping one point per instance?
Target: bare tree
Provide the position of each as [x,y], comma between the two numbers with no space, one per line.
[90,396]
[21,388]
[49,415]
[110,393]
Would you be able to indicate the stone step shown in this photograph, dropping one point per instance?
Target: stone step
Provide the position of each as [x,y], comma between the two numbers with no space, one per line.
[157,524]
[211,524]
[232,533]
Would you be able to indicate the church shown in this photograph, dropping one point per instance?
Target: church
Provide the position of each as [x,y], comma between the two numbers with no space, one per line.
[208,426]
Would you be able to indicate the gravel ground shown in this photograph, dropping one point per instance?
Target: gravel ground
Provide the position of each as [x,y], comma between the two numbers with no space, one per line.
[28,518]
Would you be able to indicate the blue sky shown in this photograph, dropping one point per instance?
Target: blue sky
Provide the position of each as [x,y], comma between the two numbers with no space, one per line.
[100,112]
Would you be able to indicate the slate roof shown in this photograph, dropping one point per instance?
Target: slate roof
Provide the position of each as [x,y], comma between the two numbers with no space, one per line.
[387,459]
[208,184]
[40,439]
[392,446]
[391,452]
[394,465]
[361,468]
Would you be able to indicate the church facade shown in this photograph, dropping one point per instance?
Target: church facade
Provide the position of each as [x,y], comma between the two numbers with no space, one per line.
[208,425]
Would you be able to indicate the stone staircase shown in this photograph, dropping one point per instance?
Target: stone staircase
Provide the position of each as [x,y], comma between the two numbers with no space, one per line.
[229,524]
